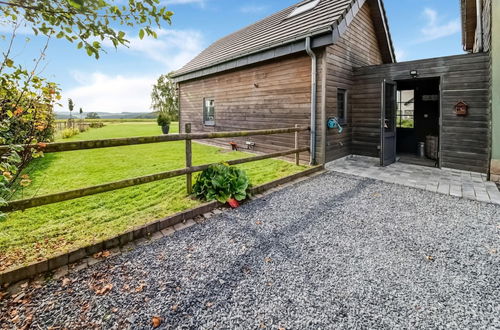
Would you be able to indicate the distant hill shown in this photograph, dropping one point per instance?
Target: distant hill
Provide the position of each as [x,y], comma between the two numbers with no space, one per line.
[109,115]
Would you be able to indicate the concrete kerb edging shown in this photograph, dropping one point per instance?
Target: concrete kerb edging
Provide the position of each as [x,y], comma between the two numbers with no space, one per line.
[167,225]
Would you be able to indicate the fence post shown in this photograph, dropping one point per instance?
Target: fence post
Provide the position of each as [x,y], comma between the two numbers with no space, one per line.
[189,177]
[297,158]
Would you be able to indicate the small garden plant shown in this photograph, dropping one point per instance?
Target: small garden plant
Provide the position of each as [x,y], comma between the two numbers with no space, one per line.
[222,182]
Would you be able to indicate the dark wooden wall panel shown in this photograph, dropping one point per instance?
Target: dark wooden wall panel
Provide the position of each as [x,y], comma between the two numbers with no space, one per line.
[465,141]
[282,99]
[358,47]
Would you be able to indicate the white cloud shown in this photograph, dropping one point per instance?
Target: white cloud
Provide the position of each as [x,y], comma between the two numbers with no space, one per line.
[105,93]
[401,54]
[131,93]
[253,9]
[173,48]
[436,29]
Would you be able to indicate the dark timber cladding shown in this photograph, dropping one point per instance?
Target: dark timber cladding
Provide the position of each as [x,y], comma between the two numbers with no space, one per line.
[465,141]
[359,46]
[271,95]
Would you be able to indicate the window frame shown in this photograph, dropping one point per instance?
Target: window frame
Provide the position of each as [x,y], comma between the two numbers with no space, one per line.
[399,109]
[206,122]
[342,120]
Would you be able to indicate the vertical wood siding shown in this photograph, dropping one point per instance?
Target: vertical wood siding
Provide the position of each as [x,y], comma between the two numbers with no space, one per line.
[358,47]
[465,140]
[271,95]
[486,28]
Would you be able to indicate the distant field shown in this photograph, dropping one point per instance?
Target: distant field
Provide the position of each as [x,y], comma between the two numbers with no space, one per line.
[46,231]
[109,120]
[115,129]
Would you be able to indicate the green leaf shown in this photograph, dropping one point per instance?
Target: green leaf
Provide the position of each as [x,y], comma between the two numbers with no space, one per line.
[78,4]
[141,34]
[9,63]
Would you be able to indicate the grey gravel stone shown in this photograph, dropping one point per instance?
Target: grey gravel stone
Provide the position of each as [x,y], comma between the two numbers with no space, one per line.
[336,251]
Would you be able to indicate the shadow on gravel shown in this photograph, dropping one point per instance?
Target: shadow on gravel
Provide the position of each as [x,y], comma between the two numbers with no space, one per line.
[271,241]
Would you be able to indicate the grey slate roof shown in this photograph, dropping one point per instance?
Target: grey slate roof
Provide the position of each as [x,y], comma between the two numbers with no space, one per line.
[272,31]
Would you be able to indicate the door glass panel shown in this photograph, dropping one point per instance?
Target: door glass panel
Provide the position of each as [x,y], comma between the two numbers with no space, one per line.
[406,109]
[390,108]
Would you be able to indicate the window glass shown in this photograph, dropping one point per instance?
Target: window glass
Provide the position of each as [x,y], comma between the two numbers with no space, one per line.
[209,112]
[303,8]
[406,109]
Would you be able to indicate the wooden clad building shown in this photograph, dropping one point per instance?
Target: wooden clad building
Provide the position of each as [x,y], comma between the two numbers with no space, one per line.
[331,63]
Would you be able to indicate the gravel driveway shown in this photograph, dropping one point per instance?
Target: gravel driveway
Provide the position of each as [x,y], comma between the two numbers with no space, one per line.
[335,251]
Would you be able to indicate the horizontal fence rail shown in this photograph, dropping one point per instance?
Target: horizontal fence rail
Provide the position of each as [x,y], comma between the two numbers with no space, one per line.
[24,204]
[109,143]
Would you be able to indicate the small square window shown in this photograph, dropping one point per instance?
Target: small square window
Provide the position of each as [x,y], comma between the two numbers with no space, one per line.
[209,112]
[342,105]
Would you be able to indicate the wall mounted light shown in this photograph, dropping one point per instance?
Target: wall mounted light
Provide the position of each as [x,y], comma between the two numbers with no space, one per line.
[414,73]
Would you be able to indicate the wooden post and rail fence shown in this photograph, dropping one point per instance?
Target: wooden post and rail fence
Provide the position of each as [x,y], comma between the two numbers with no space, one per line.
[188,137]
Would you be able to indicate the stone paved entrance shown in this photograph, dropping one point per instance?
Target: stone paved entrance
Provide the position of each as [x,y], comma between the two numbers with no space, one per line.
[452,182]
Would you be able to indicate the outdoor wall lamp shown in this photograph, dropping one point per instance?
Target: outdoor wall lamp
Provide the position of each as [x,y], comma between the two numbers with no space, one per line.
[414,73]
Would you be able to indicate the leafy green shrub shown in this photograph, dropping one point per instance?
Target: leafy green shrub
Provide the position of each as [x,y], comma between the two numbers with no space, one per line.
[98,124]
[163,119]
[221,182]
[69,132]
[82,128]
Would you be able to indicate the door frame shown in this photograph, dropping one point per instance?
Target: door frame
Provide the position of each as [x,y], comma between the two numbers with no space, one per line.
[385,82]
[440,79]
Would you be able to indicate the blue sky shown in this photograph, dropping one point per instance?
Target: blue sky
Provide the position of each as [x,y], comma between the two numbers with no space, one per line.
[121,80]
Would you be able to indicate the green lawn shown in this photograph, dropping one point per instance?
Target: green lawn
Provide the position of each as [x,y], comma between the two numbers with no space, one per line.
[42,232]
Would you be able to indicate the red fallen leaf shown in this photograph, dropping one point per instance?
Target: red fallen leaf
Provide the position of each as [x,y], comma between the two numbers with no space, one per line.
[15,319]
[156,321]
[105,289]
[42,145]
[267,259]
[258,223]
[174,307]
[233,203]
[103,254]
[209,304]
[140,288]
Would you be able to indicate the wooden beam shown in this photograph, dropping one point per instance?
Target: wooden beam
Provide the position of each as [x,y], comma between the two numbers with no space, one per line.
[109,143]
[94,190]
[189,161]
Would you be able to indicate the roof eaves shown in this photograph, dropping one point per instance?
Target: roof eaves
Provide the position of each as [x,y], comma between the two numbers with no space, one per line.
[387,31]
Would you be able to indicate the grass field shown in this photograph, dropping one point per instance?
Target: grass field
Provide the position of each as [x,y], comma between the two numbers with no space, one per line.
[38,233]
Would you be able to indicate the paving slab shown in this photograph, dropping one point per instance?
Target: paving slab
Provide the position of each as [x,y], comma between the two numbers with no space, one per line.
[469,185]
